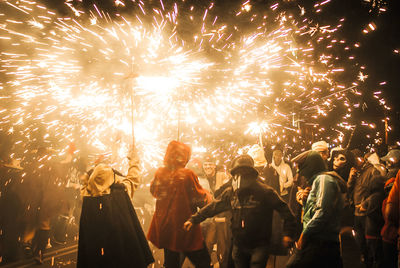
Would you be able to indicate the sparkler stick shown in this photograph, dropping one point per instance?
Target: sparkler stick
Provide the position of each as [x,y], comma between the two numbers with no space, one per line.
[350,138]
[131,78]
[260,139]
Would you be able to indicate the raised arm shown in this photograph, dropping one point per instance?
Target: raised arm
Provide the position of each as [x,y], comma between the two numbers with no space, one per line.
[132,180]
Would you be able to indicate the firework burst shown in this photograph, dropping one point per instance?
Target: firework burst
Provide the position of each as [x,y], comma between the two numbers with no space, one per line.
[174,70]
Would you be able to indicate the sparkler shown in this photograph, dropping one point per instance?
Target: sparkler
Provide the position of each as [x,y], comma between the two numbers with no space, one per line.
[195,72]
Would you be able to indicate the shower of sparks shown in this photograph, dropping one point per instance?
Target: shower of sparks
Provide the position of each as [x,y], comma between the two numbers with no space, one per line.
[182,70]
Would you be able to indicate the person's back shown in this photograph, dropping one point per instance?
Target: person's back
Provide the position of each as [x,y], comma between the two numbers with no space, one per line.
[322,212]
[318,245]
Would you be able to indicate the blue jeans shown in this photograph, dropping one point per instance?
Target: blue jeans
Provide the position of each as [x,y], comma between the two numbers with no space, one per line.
[250,258]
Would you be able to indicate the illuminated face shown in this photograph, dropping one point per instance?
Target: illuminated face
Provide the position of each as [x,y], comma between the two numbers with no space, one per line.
[209,168]
[339,161]
[277,158]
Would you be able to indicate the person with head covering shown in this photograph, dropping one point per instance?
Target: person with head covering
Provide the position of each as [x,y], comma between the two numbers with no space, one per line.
[392,160]
[372,206]
[322,147]
[358,185]
[341,162]
[318,245]
[392,215]
[389,230]
[110,234]
[251,203]
[178,194]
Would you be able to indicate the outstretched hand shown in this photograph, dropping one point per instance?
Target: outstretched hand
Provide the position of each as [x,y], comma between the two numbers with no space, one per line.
[187,225]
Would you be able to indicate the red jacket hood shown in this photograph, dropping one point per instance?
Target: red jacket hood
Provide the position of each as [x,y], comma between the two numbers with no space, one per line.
[177,155]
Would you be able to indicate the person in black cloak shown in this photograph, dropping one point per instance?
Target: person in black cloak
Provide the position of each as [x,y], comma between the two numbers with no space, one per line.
[110,233]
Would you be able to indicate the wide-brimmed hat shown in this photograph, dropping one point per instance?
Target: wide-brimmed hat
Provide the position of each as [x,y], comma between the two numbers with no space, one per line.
[243,162]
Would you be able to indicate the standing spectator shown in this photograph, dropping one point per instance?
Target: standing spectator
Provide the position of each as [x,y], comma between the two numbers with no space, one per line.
[110,234]
[322,147]
[267,173]
[341,162]
[389,231]
[215,178]
[392,211]
[285,174]
[318,245]
[301,187]
[372,206]
[392,160]
[217,227]
[178,195]
[252,204]
[358,184]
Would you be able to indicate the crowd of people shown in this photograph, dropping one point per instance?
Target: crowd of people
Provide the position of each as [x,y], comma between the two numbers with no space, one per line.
[305,208]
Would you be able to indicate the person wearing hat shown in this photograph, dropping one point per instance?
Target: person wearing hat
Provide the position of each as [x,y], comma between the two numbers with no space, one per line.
[318,245]
[392,160]
[391,229]
[322,147]
[252,204]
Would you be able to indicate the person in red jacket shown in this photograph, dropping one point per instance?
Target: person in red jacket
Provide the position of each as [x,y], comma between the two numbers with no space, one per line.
[178,195]
[392,219]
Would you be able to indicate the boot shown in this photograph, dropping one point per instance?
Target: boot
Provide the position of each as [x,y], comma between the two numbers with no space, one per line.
[40,243]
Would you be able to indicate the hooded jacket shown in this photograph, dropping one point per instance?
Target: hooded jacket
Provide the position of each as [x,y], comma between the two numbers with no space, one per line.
[322,211]
[103,176]
[178,195]
[252,209]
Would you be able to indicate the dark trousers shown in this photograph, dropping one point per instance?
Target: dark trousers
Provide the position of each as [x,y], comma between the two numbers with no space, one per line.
[250,258]
[317,254]
[359,228]
[199,258]
[389,255]
[375,256]
[224,241]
